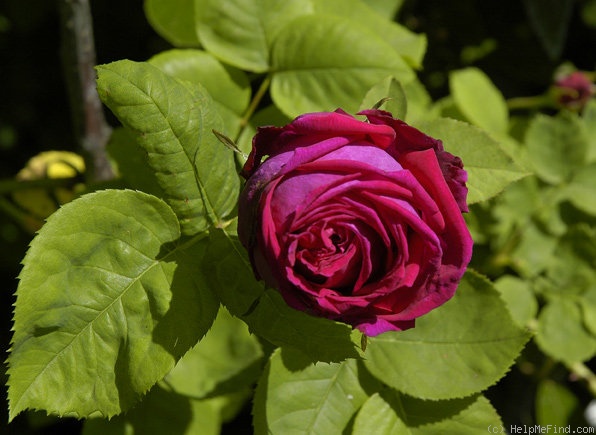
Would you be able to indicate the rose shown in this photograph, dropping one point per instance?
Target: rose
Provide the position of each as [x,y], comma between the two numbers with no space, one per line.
[574,90]
[360,222]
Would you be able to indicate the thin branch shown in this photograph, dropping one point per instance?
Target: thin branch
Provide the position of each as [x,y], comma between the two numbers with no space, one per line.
[78,52]
[253,105]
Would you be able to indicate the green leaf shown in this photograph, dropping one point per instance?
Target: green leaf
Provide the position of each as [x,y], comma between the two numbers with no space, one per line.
[162,412]
[489,168]
[407,44]
[419,102]
[380,417]
[322,62]
[106,305]
[132,164]
[561,333]
[588,306]
[227,354]
[519,298]
[388,88]
[319,338]
[554,404]
[589,124]
[457,350]
[386,8]
[389,413]
[557,145]
[270,115]
[550,19]
[266,313]
[173,122]
[228,269]
[534,251]
[581,191]
[573,268]
[479,100]
[241,32]
[227,85]
[173,20]
[295,396]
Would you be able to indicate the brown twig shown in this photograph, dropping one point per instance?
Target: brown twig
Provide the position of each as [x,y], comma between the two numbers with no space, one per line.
[78,52]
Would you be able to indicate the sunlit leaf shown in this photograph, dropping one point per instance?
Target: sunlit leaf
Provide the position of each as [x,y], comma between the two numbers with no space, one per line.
[227,85]
[407,44]
[456,350]
[489,168]
[322,62]
[391,90]
[479,99]
[295,396]
[558,146]
[106,305]
[241,32]
[173,20]
[173,122]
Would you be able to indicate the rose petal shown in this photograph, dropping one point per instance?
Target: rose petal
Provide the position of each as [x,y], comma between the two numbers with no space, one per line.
[309,129]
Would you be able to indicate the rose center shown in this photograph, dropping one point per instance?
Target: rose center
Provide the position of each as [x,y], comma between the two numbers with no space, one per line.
[329,256]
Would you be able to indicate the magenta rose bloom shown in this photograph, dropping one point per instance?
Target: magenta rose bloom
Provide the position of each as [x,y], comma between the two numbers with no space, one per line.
[574,90]
[360,222]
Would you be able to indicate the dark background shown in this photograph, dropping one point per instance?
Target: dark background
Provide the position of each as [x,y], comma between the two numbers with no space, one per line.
[35,116]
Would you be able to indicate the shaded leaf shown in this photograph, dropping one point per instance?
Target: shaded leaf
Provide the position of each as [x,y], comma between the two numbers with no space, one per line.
[228,269]
[265,311]
[132,164]
[389,413]
[554,404]
[319,338]
[550,19]
[227,354]
[164,412]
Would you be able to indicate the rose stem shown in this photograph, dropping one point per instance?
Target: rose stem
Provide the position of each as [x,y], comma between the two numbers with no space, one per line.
[253,105]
